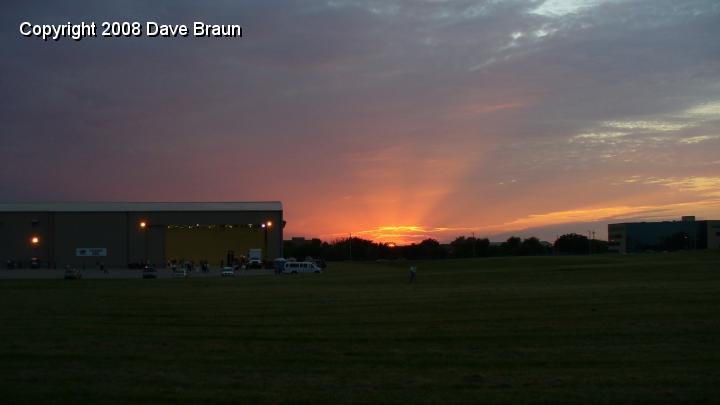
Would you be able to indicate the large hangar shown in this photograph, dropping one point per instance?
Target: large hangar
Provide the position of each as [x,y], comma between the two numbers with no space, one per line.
[118,234]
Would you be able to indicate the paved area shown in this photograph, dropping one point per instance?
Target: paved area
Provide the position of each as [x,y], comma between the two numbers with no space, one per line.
[49,274]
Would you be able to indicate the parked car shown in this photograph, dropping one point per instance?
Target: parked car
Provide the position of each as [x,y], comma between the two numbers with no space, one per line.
[149,272]
[301,267]
[228,271]
[72,274]
[179,273]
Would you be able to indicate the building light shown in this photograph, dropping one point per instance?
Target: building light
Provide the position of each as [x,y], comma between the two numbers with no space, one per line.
[143,224]
[35,240]
[263,225]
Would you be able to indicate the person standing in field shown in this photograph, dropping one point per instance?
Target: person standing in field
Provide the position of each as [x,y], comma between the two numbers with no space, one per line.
[413,274]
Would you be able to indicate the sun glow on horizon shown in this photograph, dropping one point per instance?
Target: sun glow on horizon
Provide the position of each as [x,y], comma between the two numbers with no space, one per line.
[409,234]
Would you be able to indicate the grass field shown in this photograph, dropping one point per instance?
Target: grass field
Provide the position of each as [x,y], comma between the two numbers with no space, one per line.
[603,329]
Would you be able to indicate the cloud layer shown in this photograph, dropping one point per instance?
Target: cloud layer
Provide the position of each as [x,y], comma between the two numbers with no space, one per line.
[433,118]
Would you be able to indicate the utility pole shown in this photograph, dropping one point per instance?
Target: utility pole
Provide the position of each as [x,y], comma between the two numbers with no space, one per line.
[474,242]
[350,245]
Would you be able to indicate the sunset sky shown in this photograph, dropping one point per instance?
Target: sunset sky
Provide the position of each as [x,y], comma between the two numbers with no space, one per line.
[390,120]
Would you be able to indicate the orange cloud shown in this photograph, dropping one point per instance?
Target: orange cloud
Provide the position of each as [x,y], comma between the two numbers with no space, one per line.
[594,214]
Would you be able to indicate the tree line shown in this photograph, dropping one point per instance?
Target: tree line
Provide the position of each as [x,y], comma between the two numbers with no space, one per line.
[462,247]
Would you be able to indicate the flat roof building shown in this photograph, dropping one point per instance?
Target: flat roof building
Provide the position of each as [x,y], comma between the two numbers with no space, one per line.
[688,233]
[119,234]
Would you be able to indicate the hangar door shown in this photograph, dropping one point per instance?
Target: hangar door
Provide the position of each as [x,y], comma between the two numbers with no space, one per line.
[211,243]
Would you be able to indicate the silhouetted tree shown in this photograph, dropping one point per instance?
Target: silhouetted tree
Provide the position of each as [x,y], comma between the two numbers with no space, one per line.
[427,249]
[599,246]
[462,246]
[511,246]
[482,247]
[572,243]
[459,247]
[469,247]
[533,247]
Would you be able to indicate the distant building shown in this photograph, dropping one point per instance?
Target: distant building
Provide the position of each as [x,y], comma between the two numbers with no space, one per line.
[688,233]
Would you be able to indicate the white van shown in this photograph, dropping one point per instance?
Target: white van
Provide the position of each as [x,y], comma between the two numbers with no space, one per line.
[301,267]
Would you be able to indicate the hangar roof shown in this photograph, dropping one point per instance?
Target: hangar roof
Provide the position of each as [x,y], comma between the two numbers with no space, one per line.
[141,206]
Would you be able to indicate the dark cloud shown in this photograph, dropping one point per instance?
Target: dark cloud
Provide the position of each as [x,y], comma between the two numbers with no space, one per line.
[464,96]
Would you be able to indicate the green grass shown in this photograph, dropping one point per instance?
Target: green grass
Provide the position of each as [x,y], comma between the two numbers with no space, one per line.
[604,329]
